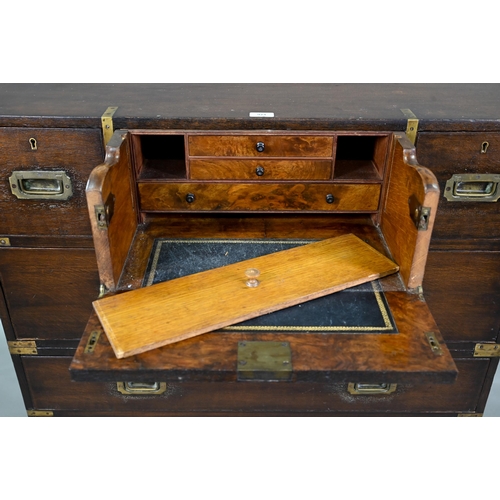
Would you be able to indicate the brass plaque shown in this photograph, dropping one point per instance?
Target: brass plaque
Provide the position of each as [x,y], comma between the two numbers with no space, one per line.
[264,361]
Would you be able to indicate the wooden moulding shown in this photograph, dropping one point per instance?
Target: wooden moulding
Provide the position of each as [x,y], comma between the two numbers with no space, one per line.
[175,310]
[408,181]
[110,182]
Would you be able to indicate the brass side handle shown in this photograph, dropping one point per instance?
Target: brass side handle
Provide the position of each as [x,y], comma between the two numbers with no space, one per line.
[473,187]
[369,389]
[141,388]
[40,185]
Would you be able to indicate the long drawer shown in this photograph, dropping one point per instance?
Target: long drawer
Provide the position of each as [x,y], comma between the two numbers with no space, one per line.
[245,197]
[48,292]
[52,389]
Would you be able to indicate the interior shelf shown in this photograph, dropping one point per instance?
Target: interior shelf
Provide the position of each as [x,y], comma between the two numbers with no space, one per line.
[163,157]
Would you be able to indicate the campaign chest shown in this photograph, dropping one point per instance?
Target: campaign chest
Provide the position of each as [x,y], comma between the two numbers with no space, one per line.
[107,189]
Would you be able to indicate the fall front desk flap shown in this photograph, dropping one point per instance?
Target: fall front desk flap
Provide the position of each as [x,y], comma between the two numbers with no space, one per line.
[251,279]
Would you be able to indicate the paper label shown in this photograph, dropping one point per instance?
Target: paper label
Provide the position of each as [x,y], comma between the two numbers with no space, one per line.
[261,114]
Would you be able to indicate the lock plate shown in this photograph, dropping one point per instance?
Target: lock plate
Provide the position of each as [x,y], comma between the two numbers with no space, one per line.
[264,361]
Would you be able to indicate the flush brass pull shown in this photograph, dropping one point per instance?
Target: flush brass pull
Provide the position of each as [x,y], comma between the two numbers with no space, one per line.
[40,185]
[141,388]
[473,187]
[368,389]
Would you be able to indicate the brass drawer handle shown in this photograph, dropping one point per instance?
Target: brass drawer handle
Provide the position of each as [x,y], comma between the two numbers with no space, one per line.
[141,388]
[473,187]
[40,185]
[260,146]
[367,389]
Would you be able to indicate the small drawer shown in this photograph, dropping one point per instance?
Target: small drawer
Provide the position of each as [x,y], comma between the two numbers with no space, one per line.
[218,169]
[43,177]
[260,145]
[467,166]
[246,197]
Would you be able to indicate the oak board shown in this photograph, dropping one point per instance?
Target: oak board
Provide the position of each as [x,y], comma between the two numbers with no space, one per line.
[151,317]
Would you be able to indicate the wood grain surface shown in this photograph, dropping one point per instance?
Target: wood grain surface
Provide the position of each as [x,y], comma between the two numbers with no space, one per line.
[245,145]
[218,168]
[168,312]
[110,184]
[247,197]
[296,106]
[52,388]
[75,152]
[405,357]
[408,180]
[460,153]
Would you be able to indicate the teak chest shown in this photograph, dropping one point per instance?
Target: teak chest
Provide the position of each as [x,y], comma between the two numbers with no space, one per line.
[149,210]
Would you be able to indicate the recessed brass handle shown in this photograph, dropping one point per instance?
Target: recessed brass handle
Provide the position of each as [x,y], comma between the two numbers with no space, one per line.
[40,185]
[473,187]
[368,389]
[141,388]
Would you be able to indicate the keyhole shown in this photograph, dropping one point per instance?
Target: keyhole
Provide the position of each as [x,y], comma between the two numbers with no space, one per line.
[484,147]
[33,144]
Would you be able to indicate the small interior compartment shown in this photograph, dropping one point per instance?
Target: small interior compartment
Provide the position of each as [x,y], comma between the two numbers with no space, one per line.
[160,157]
[360,157]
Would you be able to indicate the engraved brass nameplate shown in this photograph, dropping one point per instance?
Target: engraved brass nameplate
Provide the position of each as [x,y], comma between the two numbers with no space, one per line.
[264,361]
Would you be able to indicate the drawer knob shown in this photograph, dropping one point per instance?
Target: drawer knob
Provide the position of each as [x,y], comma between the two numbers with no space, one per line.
[260,146]
[329,198]
[259,171]
[190,197]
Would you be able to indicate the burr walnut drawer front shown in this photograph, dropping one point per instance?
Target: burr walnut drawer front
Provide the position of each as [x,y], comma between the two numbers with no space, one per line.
[43,177]
[244,197]
[228,169]
[260,145]
[51,388]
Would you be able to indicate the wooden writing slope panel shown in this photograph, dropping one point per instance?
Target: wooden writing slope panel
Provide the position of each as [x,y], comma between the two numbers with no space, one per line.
[175,310]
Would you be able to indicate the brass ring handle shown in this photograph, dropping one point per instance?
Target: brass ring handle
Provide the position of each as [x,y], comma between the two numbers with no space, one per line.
[369,389]
[141,388]
[40,185]
[473,187]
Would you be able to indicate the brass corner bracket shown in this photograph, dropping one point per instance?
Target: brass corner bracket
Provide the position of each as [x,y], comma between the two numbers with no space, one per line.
[487,351]
[22,347]
[107,123]
[411,125]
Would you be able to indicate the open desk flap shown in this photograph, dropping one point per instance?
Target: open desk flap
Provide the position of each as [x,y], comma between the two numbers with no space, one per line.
[360,334]
[168,312]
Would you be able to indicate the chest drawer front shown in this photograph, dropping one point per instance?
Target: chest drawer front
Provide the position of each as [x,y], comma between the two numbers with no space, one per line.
[42,152]
[260,169]
[450,154]
[51,388]
[260,145]
[247,197]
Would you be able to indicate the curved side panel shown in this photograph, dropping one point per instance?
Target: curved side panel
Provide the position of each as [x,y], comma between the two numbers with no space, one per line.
[409,212]
[111,209]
